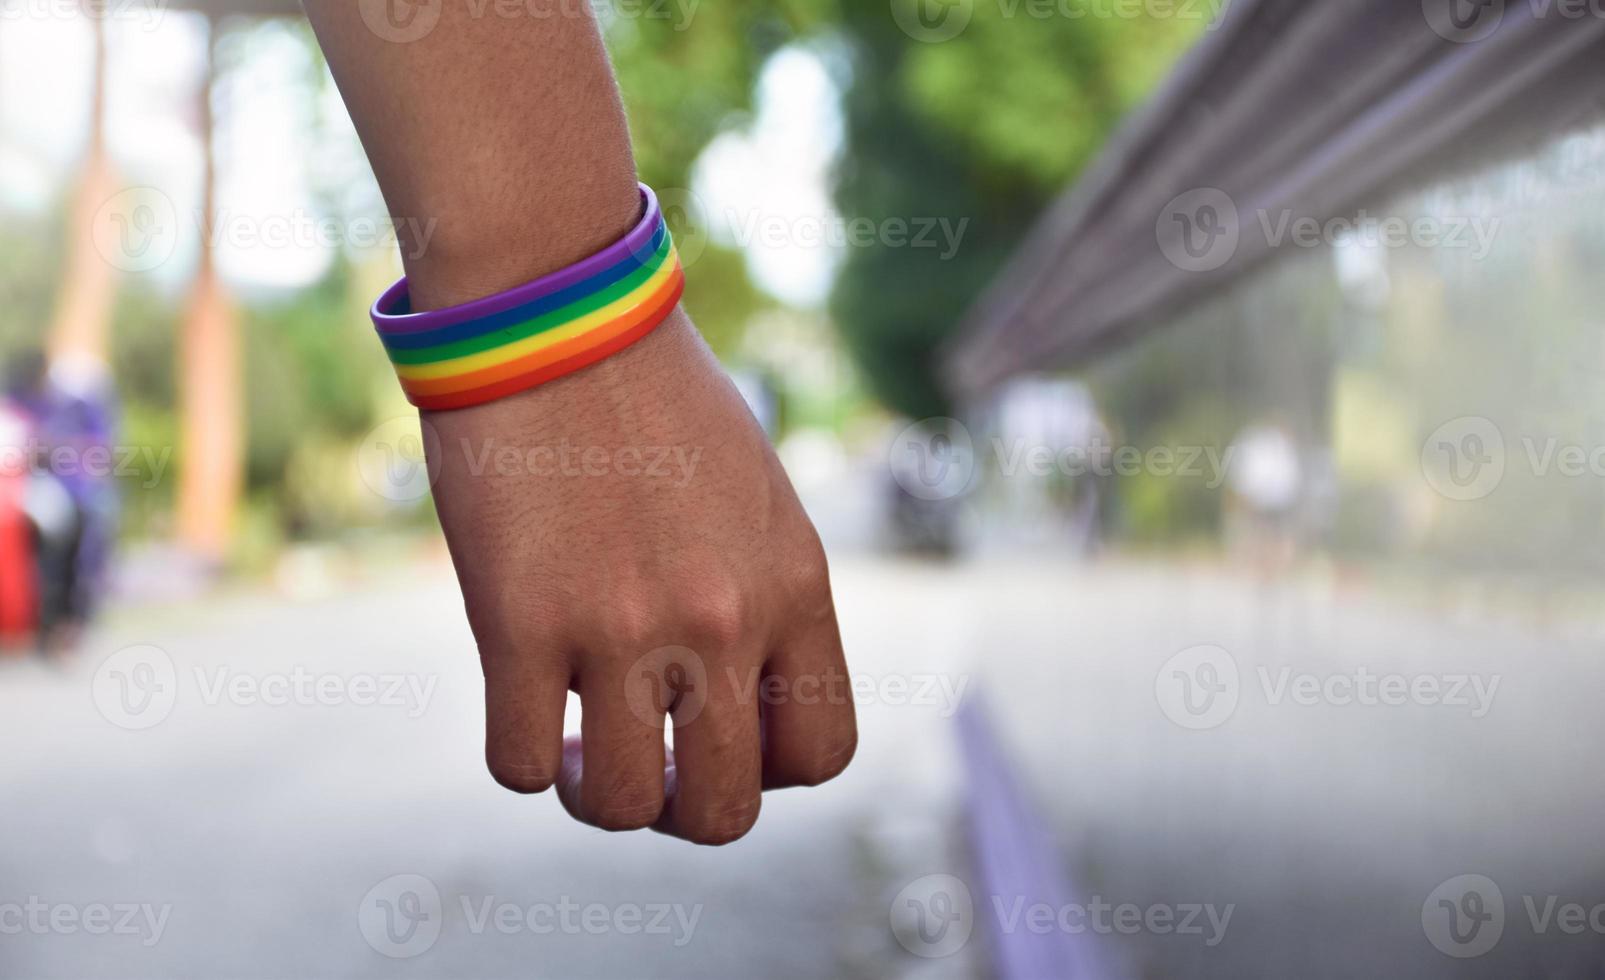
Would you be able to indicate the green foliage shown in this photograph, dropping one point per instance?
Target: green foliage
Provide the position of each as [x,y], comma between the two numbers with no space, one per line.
[986,126]
[1033,97]
[683,83]
[981,130]
[721,298]
[30,263]
[313,368]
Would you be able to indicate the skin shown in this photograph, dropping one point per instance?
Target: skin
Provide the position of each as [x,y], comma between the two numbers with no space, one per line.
[624,532]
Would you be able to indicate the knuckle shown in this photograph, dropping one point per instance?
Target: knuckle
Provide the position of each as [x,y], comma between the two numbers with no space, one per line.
[630,805]
[523,777]
[807,569]
[627,815]
[632,624]
[717,615]
[718,826]
[829,763]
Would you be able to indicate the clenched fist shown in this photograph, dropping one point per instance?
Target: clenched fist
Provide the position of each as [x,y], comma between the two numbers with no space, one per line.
[627,533]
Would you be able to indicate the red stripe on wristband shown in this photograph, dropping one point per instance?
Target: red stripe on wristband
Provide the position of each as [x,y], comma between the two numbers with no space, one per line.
[590,351]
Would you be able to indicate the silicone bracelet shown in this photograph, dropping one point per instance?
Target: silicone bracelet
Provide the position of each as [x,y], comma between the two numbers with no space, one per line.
[503,344]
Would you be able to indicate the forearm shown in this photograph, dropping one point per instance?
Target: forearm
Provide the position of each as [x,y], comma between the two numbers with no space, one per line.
[506,133]
[509,135]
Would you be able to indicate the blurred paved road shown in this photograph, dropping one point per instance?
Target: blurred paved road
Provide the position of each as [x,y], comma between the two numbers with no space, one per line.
[1327,821]
[265,829]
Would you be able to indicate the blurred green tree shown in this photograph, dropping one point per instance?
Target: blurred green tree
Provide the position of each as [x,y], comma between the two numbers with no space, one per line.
[986,126]
[981,129]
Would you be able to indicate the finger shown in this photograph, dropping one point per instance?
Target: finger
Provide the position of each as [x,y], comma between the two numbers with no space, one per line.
[525,693]
[717,769]
[810,728]
[612,775]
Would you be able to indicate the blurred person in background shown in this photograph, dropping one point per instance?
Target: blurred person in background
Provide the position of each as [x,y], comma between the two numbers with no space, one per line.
[1042,418]
[1266,484]
[62,505]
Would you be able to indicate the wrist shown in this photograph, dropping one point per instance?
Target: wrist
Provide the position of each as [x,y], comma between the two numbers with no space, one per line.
[489,246]
[556,324]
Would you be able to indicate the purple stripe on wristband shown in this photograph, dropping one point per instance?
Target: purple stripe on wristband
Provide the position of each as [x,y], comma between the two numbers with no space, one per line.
[390,314]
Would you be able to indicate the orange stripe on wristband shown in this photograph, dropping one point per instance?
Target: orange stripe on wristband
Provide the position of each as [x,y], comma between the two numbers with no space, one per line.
[550,363]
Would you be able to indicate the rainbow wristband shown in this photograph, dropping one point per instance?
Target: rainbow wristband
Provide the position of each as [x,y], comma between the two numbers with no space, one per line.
[503,344]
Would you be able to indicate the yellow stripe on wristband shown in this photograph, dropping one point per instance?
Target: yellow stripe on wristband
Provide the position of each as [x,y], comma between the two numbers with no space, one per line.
[557,335]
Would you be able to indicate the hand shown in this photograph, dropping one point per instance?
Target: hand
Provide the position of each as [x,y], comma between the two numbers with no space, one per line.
[627,533]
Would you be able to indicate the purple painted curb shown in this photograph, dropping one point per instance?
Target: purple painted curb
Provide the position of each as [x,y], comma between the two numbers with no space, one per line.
[1015,857]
